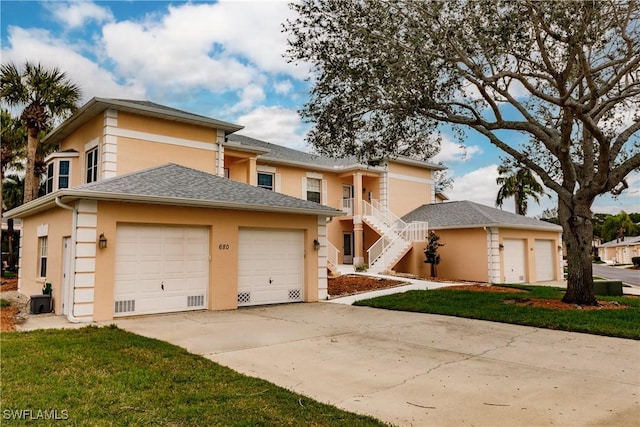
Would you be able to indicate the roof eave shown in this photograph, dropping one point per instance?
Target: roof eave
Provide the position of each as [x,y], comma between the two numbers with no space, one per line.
[45,202]
[498,225]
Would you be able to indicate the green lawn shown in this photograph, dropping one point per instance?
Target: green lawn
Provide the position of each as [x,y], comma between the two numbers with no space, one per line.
[490,306]
[107,376]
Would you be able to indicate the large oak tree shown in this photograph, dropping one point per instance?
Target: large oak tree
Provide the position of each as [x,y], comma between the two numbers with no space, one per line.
[556,85]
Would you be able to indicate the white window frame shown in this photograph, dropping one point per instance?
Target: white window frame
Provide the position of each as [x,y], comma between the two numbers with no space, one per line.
[317,182]
[51,175]
[273,180]
[91,174]
[52,182]
[43,250]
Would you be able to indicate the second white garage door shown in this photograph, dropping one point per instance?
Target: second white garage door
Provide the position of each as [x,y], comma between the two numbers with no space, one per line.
[544,260]
[270,266]
[160,269]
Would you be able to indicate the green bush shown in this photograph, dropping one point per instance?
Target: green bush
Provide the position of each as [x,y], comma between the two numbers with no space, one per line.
[361,267]
[636,261]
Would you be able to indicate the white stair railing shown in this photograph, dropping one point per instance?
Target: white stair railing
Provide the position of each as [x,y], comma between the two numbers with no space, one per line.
[332,254]
[384,252]
[381,213]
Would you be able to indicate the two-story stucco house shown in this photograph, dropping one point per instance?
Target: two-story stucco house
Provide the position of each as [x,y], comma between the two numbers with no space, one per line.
[150,209]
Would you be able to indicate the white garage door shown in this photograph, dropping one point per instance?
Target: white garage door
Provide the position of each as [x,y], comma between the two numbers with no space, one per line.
[160,269]
[514,261]
[270,266]
[544,260]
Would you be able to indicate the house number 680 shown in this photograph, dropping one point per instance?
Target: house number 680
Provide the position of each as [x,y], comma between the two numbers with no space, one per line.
[223,246]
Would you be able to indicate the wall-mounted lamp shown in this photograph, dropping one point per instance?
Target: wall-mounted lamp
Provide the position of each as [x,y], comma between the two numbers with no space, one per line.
[501,247]
[316,244]
[102,242]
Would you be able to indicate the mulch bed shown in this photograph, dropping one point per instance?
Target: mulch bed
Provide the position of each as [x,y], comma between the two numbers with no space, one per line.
[350,285]
[7,319]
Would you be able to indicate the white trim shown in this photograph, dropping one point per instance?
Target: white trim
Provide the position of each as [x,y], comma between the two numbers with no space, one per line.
[265,169]
[323,195]
[161,139]
[91,144]
[42,230]
[61,155]
[323,292]
[278,183]
[410,178]
[314,175]
[493,255]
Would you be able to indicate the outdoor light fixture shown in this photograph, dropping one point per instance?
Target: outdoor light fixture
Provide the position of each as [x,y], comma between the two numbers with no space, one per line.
[316,244]
[102,242]
[501,247]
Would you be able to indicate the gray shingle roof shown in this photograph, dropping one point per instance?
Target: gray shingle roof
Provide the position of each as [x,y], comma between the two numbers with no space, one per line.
[628,240]
[466,214]
[172,181]
[278,152]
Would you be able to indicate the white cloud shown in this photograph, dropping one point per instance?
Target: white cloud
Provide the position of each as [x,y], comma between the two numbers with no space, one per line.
[453,152]
[217,47]
[480,186]
[274,124]
[283,87]
[477,186]
[92,79]
[249,96]
[75,14]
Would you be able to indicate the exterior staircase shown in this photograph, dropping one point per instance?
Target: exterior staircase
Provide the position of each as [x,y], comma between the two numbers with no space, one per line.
[332,260]
[396,238]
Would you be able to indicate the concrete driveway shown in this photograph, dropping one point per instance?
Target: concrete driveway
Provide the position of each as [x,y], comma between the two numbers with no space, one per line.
[418,369]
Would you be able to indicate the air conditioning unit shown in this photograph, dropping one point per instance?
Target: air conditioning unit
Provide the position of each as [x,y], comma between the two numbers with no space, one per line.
[41,304]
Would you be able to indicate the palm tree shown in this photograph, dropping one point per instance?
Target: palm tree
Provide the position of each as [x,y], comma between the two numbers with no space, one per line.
[44,94]
[519,184]
[13,142]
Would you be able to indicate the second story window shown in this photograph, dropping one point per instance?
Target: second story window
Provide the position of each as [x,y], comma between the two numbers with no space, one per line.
[265,180]
[92,165]
[50,177]
[313,189]
[63,174]
[58,175]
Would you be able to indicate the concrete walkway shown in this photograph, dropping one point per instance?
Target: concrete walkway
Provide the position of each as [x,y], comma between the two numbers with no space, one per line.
[418,369]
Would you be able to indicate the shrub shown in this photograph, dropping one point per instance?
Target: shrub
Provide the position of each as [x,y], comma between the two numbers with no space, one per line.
[361,267]
[636,261]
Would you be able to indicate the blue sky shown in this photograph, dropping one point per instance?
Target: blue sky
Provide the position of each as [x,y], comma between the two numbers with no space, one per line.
[220,59]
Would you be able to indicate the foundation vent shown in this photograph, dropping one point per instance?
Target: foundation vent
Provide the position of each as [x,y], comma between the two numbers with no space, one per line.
[127,306]
[295,294]
[244,297]
[195,301]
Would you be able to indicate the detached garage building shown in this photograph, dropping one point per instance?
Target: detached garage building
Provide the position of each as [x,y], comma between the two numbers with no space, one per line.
[168,239]
[485,244]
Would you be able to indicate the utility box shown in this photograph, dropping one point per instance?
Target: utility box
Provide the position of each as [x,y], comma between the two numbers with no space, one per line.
[40,304]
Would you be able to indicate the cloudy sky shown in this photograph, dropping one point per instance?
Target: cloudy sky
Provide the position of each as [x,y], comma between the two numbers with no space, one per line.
[220,59]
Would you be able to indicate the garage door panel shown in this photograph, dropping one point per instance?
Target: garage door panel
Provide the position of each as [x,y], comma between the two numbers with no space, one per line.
[149,257]
[514,261]
[270,266]
[544,260]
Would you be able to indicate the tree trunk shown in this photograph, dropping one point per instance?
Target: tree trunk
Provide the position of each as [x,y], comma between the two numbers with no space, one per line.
[31,184]
[578,236]
[434,270]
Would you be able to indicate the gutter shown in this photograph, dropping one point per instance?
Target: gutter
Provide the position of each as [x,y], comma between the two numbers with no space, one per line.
[72,273]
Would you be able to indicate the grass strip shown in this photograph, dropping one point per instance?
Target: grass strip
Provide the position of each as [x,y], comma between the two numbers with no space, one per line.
[622,323]
[110,377]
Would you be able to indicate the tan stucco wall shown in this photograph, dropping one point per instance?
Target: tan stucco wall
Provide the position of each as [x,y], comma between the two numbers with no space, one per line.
[136,154]
[463,256]
[224,228]
[406,194]
[166,127]
[530,237]
[88,132]
[59,226]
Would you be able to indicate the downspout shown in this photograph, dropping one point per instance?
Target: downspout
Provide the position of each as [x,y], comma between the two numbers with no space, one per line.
[72,273]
